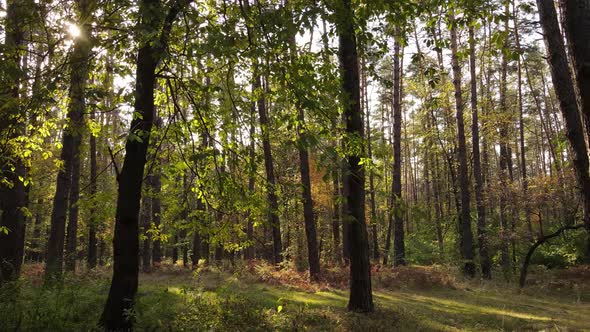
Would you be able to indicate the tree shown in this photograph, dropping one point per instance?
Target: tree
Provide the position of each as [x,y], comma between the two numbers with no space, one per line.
[465,234]
[12,189]
[126,240]
[361,297]
[399,251]
[67,186]
[302,134]
[576,14]
[485,262]
[565,91]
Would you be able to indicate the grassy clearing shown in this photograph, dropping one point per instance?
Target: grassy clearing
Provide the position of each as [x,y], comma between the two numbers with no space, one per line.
[249,299]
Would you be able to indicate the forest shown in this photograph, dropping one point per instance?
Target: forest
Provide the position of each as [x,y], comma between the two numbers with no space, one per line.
[294,165]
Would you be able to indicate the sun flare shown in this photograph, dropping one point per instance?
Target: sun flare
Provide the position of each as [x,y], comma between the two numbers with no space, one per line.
[73,30]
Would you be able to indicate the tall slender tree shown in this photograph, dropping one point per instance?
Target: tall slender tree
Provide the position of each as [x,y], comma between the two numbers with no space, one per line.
[69,176]
[152,47]
[484,256]
[576,15]
[361,296]
[12,189]
[465,234]
[565,91]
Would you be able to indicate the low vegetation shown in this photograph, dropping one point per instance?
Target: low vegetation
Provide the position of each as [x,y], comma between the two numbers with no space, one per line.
[258,297]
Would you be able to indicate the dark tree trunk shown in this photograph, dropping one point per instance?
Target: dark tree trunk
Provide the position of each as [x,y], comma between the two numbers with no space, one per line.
[505,159]
[72,228]
[399,247]
[196,252]
[273,205]
[175,250]
[344,173]
[564,89]
[36,246]
[465,234]
[484,256]
[92,223]
[543,239]
[336,212]
[70,152]
[156,184]
[12,198]
[249,252]
[308,215]
[361,297]
[124,283]
[576,15]
[372,203]
[313,256]
[145,221]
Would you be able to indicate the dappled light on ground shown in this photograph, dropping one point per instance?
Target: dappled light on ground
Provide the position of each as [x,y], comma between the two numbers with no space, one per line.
[212,298]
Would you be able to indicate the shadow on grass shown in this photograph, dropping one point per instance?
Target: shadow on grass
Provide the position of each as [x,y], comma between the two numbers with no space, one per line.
[435,309]
[216,301]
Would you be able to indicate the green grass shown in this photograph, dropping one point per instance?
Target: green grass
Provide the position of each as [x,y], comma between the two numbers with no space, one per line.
[220,301]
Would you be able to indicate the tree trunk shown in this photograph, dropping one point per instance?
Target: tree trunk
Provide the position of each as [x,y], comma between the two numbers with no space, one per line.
[124,283]
[361,297]
[336,211]
[372,203]
[145,221]
[92,223]
[308,215]
[249,253]
[72,228]
[399,249]
[564,89]
[313,256]
[12,198]
[273,205]
[505,158]
[576,15]
[465,234]
[484,256]
[156,184]
[70,149]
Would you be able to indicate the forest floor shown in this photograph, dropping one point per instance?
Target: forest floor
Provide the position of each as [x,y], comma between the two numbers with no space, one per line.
[257,297]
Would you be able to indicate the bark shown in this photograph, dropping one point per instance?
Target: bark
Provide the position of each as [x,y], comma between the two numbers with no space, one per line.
[92,223]
[156,184]
[308,215]
[336,212]
[505,159]
[145,221]
[36,246]
[249,253]
[539,242]
[465,234]
[175,249]
[273,205]
[399,250]
[72,228]
[523,170]
[124,283]
[564,89]
[372,203]
[12,198]
[484,256]
[313,256]
[576,15]
[361,298]
[70,150]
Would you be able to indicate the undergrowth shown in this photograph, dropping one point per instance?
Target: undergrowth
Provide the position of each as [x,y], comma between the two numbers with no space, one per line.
[259,297]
